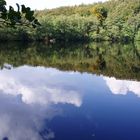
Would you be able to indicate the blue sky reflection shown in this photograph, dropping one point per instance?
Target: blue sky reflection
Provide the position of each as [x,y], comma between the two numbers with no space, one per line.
[26,96]
[30,95]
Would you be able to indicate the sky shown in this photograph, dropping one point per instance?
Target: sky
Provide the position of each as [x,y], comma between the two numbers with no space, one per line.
[48,4]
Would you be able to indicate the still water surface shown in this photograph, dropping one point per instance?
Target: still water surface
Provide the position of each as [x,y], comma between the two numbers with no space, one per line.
[45,103]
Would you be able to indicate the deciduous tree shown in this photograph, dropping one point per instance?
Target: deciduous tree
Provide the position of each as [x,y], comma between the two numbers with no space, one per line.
[22,16]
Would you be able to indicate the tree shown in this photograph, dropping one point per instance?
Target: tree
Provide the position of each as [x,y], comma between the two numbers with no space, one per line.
[101,13]
[23,15]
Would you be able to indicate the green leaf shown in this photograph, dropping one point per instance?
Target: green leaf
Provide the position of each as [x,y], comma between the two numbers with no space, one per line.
[23,8]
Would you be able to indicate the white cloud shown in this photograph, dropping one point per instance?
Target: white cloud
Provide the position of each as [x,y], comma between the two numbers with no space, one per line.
[122,86]
[42,4]
[38,86]
[27,96]
[21,121]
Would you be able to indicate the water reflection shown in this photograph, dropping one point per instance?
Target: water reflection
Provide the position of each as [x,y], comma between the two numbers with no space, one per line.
[21,121]
[122,86]
[32,98]
[26,96]
[39,86]
[117,60]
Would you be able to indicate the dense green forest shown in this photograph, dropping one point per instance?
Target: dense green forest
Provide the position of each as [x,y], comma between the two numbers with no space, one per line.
[113,20]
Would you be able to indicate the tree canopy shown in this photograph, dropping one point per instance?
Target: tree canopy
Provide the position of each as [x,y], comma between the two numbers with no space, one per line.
[113,20]
[100,12]
[10,17]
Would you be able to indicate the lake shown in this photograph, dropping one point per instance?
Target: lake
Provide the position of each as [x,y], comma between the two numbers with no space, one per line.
[69,92]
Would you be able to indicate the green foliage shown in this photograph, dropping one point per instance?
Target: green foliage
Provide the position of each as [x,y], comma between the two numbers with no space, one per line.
[23,16]
[73,28]
[113,20]
[100,12]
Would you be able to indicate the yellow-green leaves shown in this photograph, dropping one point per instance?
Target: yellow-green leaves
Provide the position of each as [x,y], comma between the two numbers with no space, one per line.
[100,12]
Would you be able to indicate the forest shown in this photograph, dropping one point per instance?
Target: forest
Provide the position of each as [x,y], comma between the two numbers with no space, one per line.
[113,20]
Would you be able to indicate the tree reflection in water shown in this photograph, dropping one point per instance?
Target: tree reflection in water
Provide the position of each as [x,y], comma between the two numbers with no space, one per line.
[118,60]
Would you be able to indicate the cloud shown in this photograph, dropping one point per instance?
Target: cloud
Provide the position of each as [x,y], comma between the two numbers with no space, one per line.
[27,98]
[21,121]
[122,86]
[38,86]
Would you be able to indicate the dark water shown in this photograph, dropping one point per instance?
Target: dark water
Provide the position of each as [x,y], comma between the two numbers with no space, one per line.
[44,95]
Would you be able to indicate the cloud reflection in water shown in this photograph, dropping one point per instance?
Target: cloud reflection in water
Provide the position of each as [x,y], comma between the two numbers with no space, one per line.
[122,86]
[26,96]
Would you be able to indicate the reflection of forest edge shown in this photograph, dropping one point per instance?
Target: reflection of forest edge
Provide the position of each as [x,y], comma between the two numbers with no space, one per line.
[120,61]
